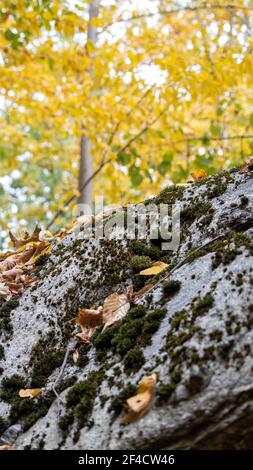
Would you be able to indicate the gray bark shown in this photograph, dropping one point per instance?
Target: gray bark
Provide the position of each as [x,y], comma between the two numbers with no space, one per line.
[85,165]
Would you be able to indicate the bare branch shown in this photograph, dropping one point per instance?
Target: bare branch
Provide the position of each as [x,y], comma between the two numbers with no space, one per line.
[174,11]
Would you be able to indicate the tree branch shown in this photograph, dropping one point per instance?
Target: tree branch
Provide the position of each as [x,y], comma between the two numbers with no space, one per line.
[174,11]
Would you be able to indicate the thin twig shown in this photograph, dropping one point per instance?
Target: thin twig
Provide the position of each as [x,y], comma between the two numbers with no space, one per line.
[68,350]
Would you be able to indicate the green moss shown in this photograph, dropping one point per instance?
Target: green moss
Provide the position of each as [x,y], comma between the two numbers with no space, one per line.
[83,355]
[138,247]
[11,386]
[29,411]
[3,425]
[80,400]
[179,317]
[216,335]
[5,314]
[138,263]
[194,212]
[202,305]
[133,360]
[170,288]
[45,358]
[244,201]
[164,392]
[152,323]
[1,352]
[119,400]
[42,259]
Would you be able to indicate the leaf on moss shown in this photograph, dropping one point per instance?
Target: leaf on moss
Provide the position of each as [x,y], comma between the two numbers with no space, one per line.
[115,308]
[29,393]
[88,320]
[199,175]
[140,404]
[245,167]
[34,237]
[156,268]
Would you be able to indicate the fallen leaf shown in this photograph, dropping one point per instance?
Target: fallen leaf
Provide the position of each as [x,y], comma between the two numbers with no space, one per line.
[244,168]
[75,356]
[27,239]
[5,292]
[115,308]
[5,447]
[88,320]
[199,175]
[156,268]
[29,393]
[139,404]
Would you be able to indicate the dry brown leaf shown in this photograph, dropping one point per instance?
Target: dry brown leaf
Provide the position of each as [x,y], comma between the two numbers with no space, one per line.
[5,292]
[156,268]
[18,243]
[199,175]
[88,320]
[5,447]
[29,393]
[115,308]
[244,168]
[139,404]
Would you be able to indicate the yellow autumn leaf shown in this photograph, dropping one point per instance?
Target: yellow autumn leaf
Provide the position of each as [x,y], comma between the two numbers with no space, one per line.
[156,268]
[29,393]
[139,404]
[199,175]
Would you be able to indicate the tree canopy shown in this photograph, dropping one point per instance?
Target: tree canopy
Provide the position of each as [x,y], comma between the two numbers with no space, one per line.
[171,92]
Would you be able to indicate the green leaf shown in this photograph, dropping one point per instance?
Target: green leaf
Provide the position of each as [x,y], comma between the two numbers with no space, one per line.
[135,175]
[124,158]
[251,119]
[215,130]
[206,140]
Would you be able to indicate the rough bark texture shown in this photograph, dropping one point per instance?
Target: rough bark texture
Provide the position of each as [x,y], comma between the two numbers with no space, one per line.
[196,334]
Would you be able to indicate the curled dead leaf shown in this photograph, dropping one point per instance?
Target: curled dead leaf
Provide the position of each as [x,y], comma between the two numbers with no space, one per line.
[27,239]
[139,404]
[115,308]
[89,320]
[29,393]
[156,268]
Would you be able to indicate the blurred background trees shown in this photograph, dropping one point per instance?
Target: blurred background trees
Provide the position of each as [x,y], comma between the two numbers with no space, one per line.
[164,90]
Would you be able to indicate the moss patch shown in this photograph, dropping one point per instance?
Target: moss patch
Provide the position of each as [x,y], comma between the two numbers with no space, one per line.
[133,360]
[5,315]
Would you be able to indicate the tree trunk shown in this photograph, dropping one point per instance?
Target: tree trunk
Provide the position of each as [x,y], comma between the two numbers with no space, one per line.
[85,166]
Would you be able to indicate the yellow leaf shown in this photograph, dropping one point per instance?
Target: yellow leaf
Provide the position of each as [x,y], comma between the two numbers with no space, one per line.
[156,268]
[5,447]
[29,393]
[199,175]
[139,404]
